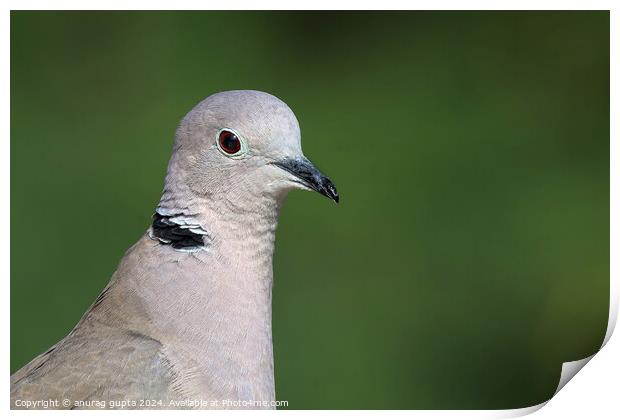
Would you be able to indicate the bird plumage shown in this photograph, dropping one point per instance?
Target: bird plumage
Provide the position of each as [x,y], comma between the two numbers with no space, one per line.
[187,314]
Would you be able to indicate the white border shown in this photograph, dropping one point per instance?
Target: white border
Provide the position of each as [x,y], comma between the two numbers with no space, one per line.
[309,5]
[593,395]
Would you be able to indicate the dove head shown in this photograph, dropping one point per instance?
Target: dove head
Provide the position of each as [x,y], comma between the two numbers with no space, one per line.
[242,148]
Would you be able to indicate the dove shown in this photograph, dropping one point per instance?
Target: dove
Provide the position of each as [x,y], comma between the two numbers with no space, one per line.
[185,320]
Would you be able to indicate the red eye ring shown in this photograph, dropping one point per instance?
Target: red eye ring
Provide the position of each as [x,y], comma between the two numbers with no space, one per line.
[229,142]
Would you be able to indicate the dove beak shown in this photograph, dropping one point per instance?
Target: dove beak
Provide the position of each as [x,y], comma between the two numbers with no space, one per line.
[309,176]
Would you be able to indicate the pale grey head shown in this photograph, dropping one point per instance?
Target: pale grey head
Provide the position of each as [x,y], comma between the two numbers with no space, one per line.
[240,146]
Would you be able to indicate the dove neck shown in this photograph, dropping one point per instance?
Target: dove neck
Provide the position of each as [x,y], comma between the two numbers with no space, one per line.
[244,222]
[251,233]
[228,287]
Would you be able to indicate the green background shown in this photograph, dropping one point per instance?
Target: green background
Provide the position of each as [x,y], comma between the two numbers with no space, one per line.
[469,256]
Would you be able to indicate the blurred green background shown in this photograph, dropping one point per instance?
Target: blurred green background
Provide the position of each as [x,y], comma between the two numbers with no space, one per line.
[469,256]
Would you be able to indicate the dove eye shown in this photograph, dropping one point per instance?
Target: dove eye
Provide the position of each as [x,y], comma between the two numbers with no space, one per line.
[229,143]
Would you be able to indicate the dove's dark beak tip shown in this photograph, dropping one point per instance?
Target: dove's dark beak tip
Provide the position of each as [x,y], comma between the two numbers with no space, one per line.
[308,175]
[329,190]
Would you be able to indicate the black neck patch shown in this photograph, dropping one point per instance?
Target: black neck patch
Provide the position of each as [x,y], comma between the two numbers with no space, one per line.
[176,235]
